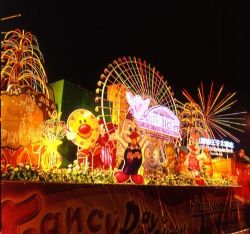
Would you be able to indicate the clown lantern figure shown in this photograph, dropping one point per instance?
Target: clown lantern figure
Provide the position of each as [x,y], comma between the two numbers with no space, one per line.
[83,131]
[132,141]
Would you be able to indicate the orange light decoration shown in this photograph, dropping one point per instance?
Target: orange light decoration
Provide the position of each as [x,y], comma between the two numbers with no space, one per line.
[116,94]
[21,62]
[20,117]
[25,99]
[211,114]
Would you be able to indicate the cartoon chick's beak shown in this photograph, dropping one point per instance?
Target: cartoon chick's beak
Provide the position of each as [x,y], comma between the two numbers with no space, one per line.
[133,136]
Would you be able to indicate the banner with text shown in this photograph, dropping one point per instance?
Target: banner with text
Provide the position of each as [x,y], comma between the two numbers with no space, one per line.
[32,208]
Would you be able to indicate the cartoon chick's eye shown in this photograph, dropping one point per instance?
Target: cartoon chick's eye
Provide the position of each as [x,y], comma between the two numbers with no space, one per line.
[130,129]
[80,122]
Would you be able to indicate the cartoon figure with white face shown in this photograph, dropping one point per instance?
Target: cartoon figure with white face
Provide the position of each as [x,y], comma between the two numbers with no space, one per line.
[132,141]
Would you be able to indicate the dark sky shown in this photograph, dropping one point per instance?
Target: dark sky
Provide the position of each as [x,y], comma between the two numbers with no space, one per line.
[187,41]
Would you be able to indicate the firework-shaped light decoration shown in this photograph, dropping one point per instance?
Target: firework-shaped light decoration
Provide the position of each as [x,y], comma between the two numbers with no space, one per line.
[21,62]
[218,119]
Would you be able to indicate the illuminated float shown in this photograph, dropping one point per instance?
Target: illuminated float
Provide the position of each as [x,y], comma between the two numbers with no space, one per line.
[140,130]
[140,135]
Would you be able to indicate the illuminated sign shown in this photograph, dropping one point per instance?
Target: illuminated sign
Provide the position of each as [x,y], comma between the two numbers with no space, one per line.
[217,147]
[157,119]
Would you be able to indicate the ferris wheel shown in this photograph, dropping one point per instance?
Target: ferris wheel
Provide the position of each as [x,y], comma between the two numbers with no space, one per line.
[139,78]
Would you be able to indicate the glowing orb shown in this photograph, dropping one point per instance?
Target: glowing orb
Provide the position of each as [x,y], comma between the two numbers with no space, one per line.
[85,128]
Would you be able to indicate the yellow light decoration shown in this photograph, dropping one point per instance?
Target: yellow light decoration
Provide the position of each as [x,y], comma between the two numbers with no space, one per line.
[222,167]
[51,157]
[51,132]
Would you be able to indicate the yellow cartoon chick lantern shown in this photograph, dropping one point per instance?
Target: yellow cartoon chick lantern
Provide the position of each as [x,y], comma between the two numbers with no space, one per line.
[83,128]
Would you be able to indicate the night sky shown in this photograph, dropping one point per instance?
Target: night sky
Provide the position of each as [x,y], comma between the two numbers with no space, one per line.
[187,41]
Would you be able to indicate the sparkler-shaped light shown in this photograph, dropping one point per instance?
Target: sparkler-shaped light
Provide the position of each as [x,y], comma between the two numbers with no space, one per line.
[21,62]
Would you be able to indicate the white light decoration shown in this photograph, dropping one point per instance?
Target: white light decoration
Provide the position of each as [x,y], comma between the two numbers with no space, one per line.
[157,119]
[138,106]
[217,147]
